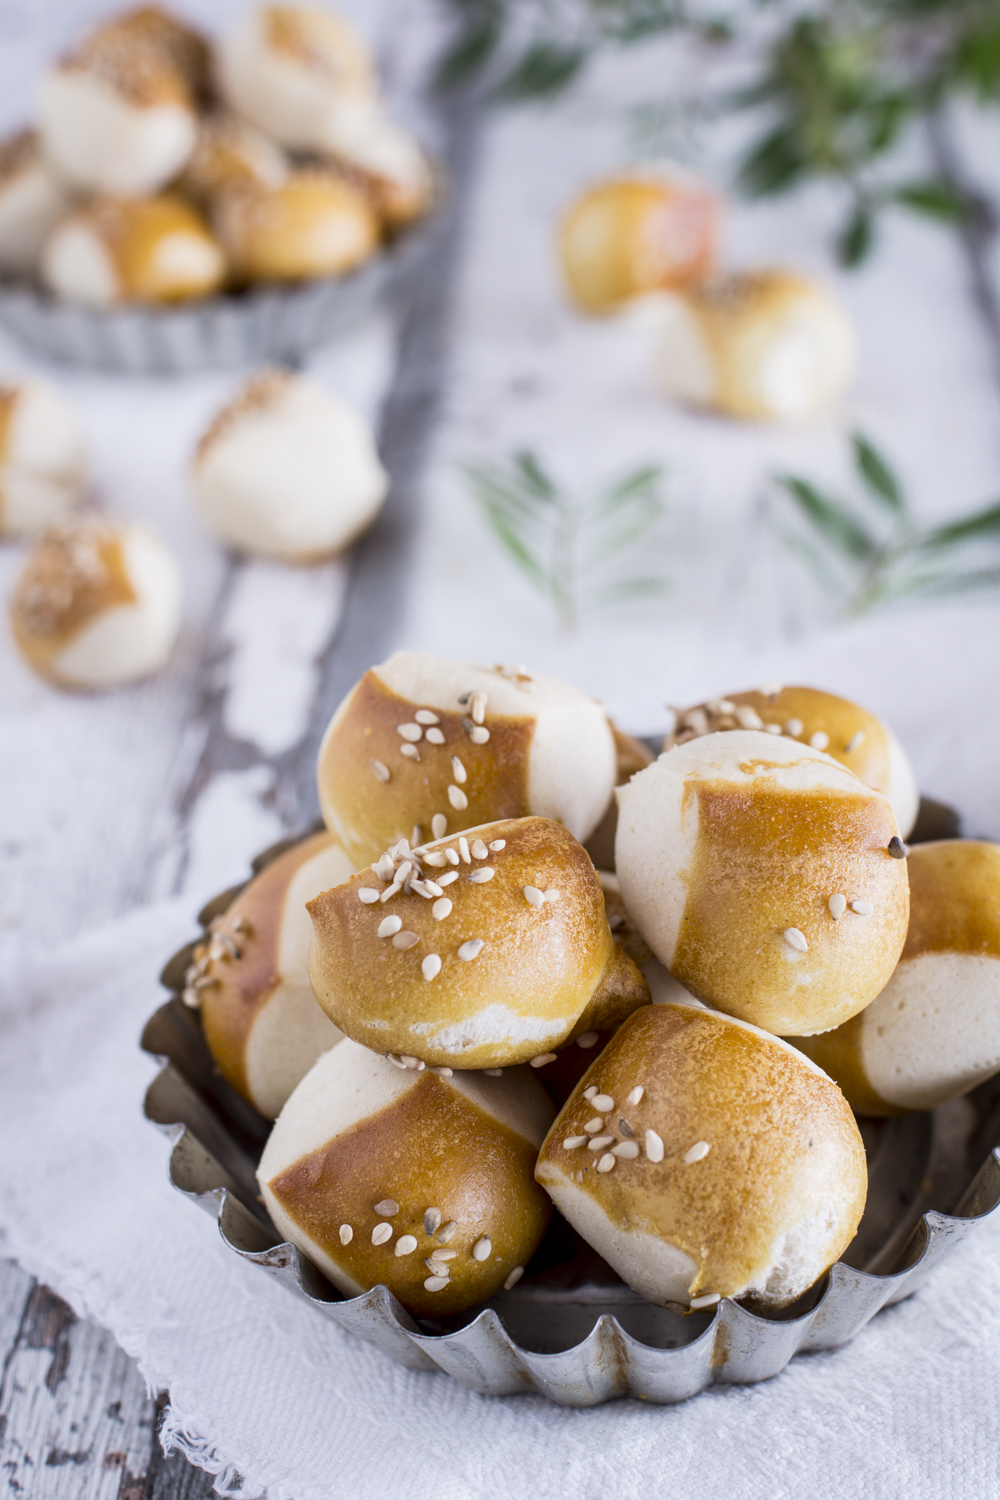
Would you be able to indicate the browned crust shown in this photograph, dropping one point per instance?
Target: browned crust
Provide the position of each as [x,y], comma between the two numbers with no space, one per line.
[179,44]
[260,393]
[132,230]
[432,1148]
[75,573]
[620,990]
[270,233]
[18,154]
[954,898]
[321,42]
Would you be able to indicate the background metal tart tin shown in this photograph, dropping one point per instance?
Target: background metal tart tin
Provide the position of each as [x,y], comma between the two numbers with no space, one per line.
[267,323]
[571,1330]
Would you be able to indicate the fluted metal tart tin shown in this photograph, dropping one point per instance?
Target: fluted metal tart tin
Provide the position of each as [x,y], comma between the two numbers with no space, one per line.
[570,1329]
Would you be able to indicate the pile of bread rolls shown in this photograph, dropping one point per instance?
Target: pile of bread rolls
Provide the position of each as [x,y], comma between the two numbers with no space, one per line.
[164,168]
[456,1021]
[766,345]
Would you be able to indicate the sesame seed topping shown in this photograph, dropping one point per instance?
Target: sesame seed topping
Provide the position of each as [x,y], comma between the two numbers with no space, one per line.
[603,1102]
[406,1244]
[435,859]
[482,1249]
[416,1063]
[480,876]
[458,770]
[386,867]
[424,888]
[594,1125]
[471,949]
[441,909]
[380,771]
[513,1278]
[533,895]
[463,849]
[794,727]
[497,845]
[772,728]
[435,737]
[698,1152]
[837,905]
[606,1162]
[432,1220]
[368,895]
[654,1146]
[587,1039]
[448,1231]
[433,886]
[451,855]
[404,940]
[431,966]
[412,732]
[387,1207]
[442,1072]
[397,885]
[863,908]
[346,1234]
[410,751]
[819,740]
[457,798]
[543,1058]
[897,848]
[625,1128]
[443,1256]
[389,926]
[854,742]
[447,879]
[426,716]
[552,895]
[397,1062]
[589,1093]
[796,939]
[493,1072]
[479,734]
[721,706]
[477,708]
[747,717]
[381,1233]
[479,849]
[574,1142]
[709,1300]
[599,1142]
[628,1150]
[439,825]
[436,1283]
[435,1266]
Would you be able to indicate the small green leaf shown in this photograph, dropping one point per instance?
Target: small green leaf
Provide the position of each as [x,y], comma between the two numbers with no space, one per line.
[855,241]
[877,475]
[468,55]
[935,199]
[630,588]
[830,518]
[534,476]
[544,70]
[984,523]
[774,165]
[516,546]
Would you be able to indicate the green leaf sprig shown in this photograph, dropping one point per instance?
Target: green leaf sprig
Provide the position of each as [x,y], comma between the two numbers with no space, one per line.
[571,548]
[870,551]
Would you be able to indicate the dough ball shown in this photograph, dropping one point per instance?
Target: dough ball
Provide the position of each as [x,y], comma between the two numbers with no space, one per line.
[315,223]
[386,160]
[704,1159]
[477,951]
[444,745]
[634,235]
[413,1180]
[43,462]
[32,201]
[118,250]
[760,345]
[228,150]
[98,604]
[731,849]
[933,1033]
[251,981]
[851,735]
[288,470]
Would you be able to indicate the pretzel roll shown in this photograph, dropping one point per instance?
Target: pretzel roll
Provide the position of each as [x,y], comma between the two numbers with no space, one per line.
[32,201]
[851,735]
[315,223]
[416,1181]
[43,464]
[387,161]
[288,470]
[228,150]
[97,604]
[444,745]
[634,235]
[121,250]
[704,1159]
[761,345]
[177,43]
[479,951]
[631,755]
[934,1031]
[291,70]
[251,984]
[759,872]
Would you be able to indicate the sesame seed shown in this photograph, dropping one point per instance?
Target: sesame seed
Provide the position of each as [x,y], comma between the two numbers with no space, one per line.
[191,998]
[513,1278]
[397,885]
[493,1072]
[426,888]
[439,825]
[478,707]
[772,728]
[552,895]
[380,771]
[367,895]
[543,1058]
[863,908]
[819,740]
[748,718]
[625,1128]
[594,1125]
[589,1093]
[435,859]
[606,1162]
[447,1231]
[480,876]
[796,939]
[431,966]
[406,1244]
[471,949]
[479,849]
[897,848]
[497,845]
[587,1039]
[709,1300]
[432,1220]
[599,1142]
[410,751]
[411,732]
[482,1249]
[457,798]
[451,855]
[387,1207]
[533,895]
[837,905]
[404,940]
[435,1266]
[416,1063]
[418,834]
[389,926]
[458,770]
[386,868]
[479,734]
[698,1152]
[381,1233]
[463,849]
[346,1234]
[654,1146]
[628,1150]
[603,1102]
[447,879]
[854,742]
[397,1062]
[442,1072]
[434,737]
[206,982]
[794,727]
[426,716]
[436,1283]
[574,1142]
[441,909]
[443,1256]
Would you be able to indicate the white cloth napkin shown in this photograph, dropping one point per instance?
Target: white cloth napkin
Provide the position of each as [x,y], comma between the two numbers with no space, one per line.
[265,1388]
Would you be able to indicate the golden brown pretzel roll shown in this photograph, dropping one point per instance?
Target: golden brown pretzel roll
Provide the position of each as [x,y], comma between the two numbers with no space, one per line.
[312,224]
[43,462]
[420,1182]
[852,735]
[934,1031]
[258,1011]
[482,950]
[123,250]
[228,150]
[703,1160]
[148,26]
[444,745]
[759,872]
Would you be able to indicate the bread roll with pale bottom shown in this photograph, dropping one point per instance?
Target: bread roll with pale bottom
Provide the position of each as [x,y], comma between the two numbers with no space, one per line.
[477,951]
[934,1031]
[705,1159]
[417,1181]
[760,873]
[251,982]
[43,461]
